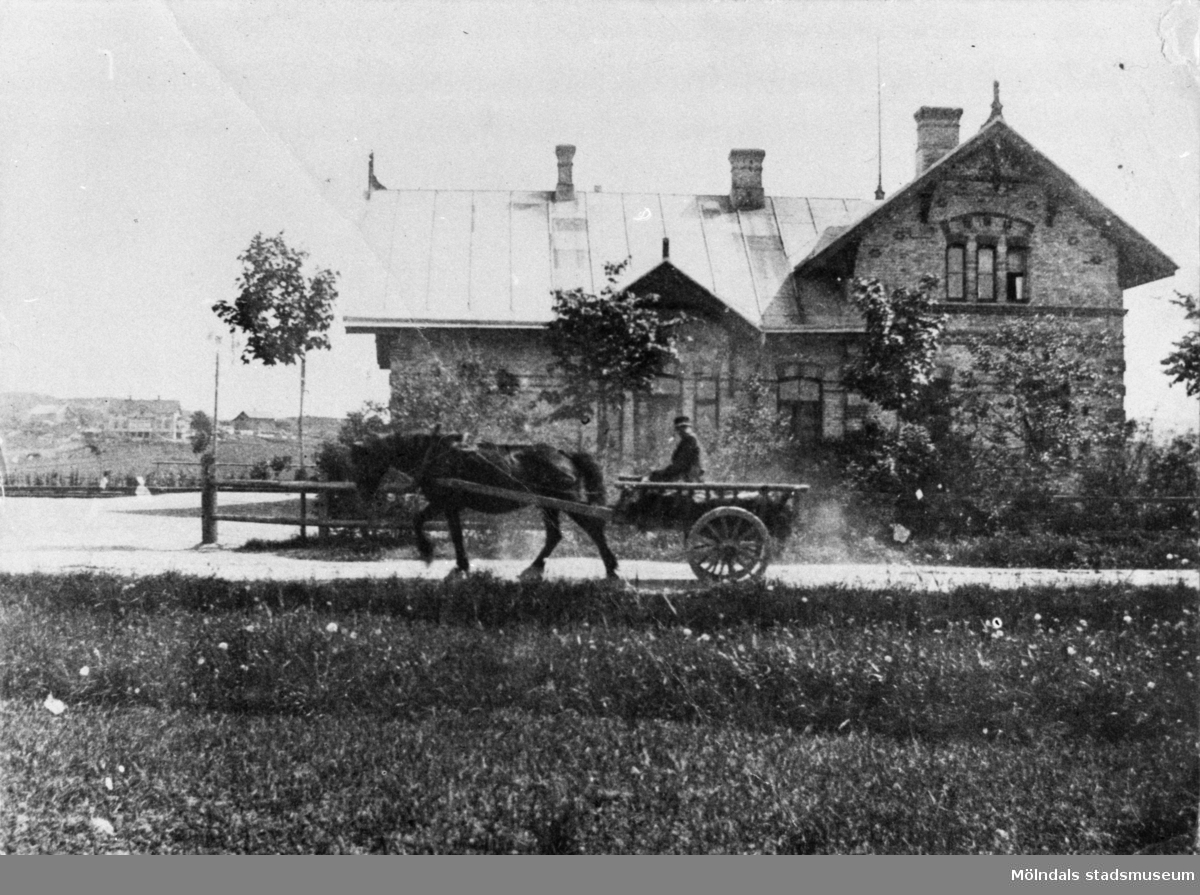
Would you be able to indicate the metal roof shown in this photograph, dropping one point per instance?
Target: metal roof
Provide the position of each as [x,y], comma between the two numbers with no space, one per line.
[494,258]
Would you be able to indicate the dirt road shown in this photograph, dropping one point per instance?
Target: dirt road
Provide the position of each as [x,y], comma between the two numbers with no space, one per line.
[132,536]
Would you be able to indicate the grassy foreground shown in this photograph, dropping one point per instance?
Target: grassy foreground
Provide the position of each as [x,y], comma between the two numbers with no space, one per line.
[201,715]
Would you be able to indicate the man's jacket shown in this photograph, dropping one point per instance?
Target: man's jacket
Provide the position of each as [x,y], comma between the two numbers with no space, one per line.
[687,462]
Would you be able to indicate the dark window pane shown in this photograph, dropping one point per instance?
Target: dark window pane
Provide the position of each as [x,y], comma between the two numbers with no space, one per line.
[1015,285]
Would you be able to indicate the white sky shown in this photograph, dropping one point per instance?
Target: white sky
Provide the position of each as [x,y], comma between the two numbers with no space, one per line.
[143,144]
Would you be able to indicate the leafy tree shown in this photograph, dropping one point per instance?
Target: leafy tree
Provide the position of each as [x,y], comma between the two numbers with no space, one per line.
[1183,364]
[608,344]
[467,395]
[283,313]
[359,425]
[755,442]
[901,342]
[202,428]
[1033,401]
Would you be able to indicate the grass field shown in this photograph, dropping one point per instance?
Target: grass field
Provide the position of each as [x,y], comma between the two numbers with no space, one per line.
[485,716]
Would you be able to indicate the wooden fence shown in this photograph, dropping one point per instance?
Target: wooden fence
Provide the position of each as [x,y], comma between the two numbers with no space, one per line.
[309,516]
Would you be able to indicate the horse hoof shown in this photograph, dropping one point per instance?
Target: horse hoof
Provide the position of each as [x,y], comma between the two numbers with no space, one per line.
[533,573]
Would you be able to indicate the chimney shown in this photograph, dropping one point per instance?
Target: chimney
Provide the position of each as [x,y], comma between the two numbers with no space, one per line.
[565,192]
[937,134]
[746,193]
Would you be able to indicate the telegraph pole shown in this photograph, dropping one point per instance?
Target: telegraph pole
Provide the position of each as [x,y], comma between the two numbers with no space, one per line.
[208,465]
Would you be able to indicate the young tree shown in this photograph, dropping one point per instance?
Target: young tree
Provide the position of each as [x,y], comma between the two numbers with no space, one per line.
[283,314]
[201,432]
[606,345]
[755,442]
[903,331]
[1183,364]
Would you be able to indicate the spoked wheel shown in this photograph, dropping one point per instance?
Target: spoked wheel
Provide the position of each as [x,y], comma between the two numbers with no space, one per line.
[728,544]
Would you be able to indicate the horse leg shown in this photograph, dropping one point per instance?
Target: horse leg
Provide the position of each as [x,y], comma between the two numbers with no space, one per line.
[595,529]
[424,545]
[553,535]
[454,521]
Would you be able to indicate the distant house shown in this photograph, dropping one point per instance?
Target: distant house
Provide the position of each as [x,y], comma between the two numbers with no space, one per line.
[765,278]
[247,423]
[143,420]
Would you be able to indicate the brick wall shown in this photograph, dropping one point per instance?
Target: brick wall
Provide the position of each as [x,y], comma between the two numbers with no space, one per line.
[1072,268]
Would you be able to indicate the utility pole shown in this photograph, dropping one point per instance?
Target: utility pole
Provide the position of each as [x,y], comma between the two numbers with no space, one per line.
[208,465]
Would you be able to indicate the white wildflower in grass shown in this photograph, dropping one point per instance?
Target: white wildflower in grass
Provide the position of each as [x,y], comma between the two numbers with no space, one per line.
[378,632]
[108,784]
[1170,556]
[120,769]
[200,661]
[84,671]
[1037,616]
[1128,619]
[887,659]
[703,638]
[1071,650]
[222,645]
[354,635]
[331,628]
[54,706]
[102,826]
[1149,685]
[687,632]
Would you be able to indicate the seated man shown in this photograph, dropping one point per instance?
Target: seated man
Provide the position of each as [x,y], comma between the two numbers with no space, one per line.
[687,462]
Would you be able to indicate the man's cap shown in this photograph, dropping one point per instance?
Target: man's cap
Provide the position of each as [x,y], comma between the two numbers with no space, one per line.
[683,421]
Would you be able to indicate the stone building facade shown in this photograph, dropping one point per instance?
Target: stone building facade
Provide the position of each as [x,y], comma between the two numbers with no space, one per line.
[764,279]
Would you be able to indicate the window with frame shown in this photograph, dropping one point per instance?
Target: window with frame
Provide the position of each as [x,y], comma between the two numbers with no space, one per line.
[985,273]
[801,403]
[956,272]
[1016,285]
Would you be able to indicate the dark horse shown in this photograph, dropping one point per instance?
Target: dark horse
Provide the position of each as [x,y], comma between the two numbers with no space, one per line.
[539,470]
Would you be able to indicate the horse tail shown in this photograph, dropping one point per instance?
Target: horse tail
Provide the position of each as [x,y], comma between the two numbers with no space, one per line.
[593,477]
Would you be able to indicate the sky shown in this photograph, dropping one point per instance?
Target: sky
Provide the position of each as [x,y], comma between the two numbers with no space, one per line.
[143,144]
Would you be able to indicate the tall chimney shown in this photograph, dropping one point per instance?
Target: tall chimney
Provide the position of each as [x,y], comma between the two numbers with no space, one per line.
[565,192]
[937,134]
[746,193]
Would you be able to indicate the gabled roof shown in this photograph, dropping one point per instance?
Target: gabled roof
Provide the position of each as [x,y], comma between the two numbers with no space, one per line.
[493,259]
[136,406]
[1140,261]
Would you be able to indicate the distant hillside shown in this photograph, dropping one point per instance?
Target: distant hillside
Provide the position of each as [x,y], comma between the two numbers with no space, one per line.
[20,403]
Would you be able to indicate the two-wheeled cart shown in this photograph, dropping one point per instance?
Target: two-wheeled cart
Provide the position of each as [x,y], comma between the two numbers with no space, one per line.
[731,529]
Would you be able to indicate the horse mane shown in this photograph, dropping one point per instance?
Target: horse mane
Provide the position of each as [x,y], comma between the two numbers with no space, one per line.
[593,477]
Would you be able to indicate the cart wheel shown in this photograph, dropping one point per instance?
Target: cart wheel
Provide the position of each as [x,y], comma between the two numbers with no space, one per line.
[728,544]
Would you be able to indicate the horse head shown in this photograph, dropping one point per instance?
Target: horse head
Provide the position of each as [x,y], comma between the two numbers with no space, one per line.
[379,459]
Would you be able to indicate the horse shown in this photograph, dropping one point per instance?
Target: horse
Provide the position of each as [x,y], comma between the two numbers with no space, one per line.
[539,469]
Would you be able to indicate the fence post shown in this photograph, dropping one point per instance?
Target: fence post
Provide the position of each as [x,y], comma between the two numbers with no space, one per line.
[208,499]
[303,517]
